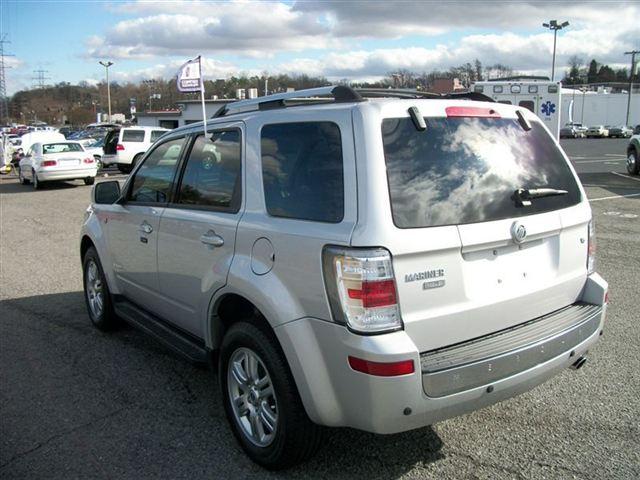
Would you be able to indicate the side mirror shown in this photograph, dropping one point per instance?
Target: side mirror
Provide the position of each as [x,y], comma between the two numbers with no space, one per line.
[106,193]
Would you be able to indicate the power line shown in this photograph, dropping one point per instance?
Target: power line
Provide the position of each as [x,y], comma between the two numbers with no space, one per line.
[40,78]
[4,104]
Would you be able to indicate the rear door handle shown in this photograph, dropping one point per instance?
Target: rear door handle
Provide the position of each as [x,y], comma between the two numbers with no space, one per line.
[212,239]
[146,228]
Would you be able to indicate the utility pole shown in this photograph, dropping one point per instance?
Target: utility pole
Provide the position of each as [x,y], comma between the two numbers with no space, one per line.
[555,26]
[40,78]
[106,66]
[4,106]
[633,64]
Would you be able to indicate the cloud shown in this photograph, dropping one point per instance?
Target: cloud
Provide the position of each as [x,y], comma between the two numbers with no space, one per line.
[325,37]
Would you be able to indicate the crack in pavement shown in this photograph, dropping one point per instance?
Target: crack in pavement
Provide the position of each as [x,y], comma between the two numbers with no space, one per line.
[52,438]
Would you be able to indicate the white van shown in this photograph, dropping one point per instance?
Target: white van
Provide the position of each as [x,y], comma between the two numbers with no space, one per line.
[125,146]
[541,97]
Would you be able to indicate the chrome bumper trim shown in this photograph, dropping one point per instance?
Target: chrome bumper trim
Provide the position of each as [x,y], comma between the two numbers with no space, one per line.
[499,355]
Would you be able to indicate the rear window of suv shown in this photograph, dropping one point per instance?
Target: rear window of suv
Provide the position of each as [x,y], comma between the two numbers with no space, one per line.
[466,170]
[133,135]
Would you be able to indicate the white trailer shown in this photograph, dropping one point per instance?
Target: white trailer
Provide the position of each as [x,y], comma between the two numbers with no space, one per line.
[544,98]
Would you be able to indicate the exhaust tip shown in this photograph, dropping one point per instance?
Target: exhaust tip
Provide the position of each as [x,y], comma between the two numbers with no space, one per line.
[578,364]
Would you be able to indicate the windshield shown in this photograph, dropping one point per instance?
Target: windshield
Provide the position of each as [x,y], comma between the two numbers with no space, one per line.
[466,170]
[61,148]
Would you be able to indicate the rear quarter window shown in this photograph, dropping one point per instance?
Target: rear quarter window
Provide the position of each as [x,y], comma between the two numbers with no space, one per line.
[156,134]
[133,135]
[302,171]
[466,170]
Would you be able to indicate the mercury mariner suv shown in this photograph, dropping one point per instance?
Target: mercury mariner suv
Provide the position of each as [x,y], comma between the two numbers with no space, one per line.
[380,260]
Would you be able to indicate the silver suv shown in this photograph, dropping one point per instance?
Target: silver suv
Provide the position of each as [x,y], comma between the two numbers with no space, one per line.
[380,260]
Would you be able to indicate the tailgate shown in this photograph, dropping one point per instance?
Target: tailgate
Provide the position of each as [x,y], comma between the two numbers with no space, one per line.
[493,224]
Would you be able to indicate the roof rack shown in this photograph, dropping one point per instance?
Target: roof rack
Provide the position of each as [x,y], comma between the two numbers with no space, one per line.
[339,94]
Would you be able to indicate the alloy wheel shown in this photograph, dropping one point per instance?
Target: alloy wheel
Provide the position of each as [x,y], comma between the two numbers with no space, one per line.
[94,290]
[252,397]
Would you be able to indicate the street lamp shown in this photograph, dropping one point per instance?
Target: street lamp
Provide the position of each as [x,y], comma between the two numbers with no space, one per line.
[555,26]
[106,66]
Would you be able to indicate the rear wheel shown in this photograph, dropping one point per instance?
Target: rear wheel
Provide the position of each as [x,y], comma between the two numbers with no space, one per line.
[261,400]
[89,180]
[633,162]
[96,292]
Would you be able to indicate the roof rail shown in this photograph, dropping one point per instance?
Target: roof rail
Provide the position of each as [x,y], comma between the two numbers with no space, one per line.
[339,93]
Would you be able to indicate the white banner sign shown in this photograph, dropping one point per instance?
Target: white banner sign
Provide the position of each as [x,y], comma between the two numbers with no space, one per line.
[189,76]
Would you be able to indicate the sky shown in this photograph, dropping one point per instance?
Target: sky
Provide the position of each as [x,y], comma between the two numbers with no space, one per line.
[358,40]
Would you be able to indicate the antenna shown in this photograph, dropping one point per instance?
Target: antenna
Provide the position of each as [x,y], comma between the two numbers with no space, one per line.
[40,78]
[4,106]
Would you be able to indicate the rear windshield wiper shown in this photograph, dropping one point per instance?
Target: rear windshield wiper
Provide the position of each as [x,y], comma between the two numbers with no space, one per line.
[523,196]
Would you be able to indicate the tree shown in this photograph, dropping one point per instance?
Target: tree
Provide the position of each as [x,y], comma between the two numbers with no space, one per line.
[576,73]
[592,73]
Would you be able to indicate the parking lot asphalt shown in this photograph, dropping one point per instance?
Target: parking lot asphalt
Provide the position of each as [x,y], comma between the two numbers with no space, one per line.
[77,403]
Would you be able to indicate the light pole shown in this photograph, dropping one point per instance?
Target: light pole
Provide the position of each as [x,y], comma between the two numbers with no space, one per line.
[106,66]
[633,64]
[555,26]
[584,90]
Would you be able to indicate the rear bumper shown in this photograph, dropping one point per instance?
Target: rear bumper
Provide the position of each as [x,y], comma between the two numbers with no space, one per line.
[71,174]
[447,382]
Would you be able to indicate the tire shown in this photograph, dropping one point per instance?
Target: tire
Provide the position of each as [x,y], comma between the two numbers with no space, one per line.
[633,162]
[23,180]
[102,318]
[37,184]
[124,168]
[89,180]
[294,437]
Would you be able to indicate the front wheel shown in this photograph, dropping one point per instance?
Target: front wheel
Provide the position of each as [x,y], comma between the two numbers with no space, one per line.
[96,292]
[261,400]
[633,163]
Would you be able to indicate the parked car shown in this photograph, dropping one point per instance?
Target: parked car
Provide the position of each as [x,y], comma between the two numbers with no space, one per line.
[46,162]
[124,147]
[96,149]
[620,132]
[570,132]
[636,130]
[598,131]
[374,263]
[633,155]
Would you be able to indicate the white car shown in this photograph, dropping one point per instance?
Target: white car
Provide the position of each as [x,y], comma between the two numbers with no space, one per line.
[598,131]
[126,146]
[46,162]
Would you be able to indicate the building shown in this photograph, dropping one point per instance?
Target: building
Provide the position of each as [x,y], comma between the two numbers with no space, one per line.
[188,111]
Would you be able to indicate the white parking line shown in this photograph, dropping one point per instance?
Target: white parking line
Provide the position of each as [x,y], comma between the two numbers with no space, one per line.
[602,160]
[615,196]
[626,176]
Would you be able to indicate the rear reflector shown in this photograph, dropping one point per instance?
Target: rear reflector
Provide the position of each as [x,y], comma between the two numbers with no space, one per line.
[606,298]
[49,163]
[380,369]
[471,112]
[120,147]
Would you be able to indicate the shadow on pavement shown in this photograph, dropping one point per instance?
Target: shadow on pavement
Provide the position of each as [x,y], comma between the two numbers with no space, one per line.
[124,397]
[12,185]
[616,184]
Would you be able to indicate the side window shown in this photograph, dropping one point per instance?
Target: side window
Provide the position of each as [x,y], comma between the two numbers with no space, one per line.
[133,135]
[156,134]
[212,175]
[302,171]
[152,181]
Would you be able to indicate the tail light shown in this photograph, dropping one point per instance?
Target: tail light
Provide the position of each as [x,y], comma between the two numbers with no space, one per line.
[49,163]
[361,289]
[119,147]
[591,249]
[88,160]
